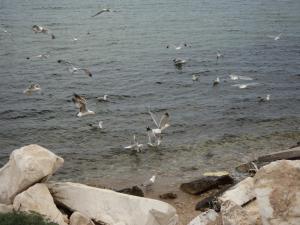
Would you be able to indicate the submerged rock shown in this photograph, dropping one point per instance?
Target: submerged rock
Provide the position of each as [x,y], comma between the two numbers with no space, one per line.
[38,199]
[112,207]
[26,166]
[135,190]
[206,183]
[78,218]
[168,195]
[277,189]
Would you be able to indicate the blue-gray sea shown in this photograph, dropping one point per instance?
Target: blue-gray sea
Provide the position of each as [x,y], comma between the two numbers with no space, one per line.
[212,128]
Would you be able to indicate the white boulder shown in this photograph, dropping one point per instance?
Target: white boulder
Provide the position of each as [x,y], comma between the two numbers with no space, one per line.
[233,214]
[277,188]
[241,193]
[111,207]
[209,217]
[38,199]
[78,218]
[26,166]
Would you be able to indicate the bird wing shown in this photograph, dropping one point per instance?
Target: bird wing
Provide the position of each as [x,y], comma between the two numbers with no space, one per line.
[154,118]
[164,122]
[80,102]
[98,13]
[65,62]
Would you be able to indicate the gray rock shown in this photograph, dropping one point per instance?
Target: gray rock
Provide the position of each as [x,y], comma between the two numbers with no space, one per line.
[209,217]
[206,183]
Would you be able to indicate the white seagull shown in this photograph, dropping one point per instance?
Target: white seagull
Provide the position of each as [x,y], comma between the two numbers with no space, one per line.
[74,69]
[219,55]
[100,124]
[135,146]
[163,123]
[195,77]
[154,137]
[236,77]
[103,99]
[32,88]
[216,81]
[276,38]
[81,103]
[149,183]
[243,86]
[261,99]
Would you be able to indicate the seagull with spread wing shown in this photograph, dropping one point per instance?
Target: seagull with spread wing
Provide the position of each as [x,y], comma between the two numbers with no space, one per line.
[81,103]
[39,29]
[101,11]
[135,146]
[74,69]
[32,88]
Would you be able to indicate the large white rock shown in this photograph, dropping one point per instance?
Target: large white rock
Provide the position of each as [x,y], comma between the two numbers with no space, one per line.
[233,214]
[5,208]
[209,217]
[78,218]
[38,199]
[112,207]
[277,188]
[241,193]
[26,166]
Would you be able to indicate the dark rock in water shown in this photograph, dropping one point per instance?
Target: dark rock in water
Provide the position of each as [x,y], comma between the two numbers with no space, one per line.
[205,183]
[168,195]
[135,190]
[210,202]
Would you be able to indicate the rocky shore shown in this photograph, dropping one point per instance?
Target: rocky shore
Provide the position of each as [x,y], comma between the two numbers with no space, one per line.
[266,192]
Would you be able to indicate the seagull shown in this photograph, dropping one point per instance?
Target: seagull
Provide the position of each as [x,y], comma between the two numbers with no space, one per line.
[41,56]
[276,38]
[216,81]
[195,77]
[103,99]
[163,123]
[149,183]
[39,29]
[32,88]
[236,77]
[74,69]
[80,102]
[243,86]
[154,138]
[177,47]
[101,11]
[100,124]
[179,62]
[135,146]
[219,55]
[261,99]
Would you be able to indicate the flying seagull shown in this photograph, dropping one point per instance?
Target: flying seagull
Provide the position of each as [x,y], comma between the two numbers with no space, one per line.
[74,69]
[162,124]
[195,77]
[101,11]
[39,29]
[32,88]
[135,146]
[154,138]
[80,102]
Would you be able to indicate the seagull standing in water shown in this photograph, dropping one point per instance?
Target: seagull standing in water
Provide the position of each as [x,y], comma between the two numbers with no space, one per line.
[219,55]
[195,77]
[149,183]
[135,146]
[32,88]
[81,103]
[74,69]
[101,11]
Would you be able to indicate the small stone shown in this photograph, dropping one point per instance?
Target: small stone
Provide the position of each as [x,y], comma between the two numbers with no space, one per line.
[135,190]
[168,195]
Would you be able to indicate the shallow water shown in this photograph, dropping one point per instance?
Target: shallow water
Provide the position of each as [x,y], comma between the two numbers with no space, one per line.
[212,128]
